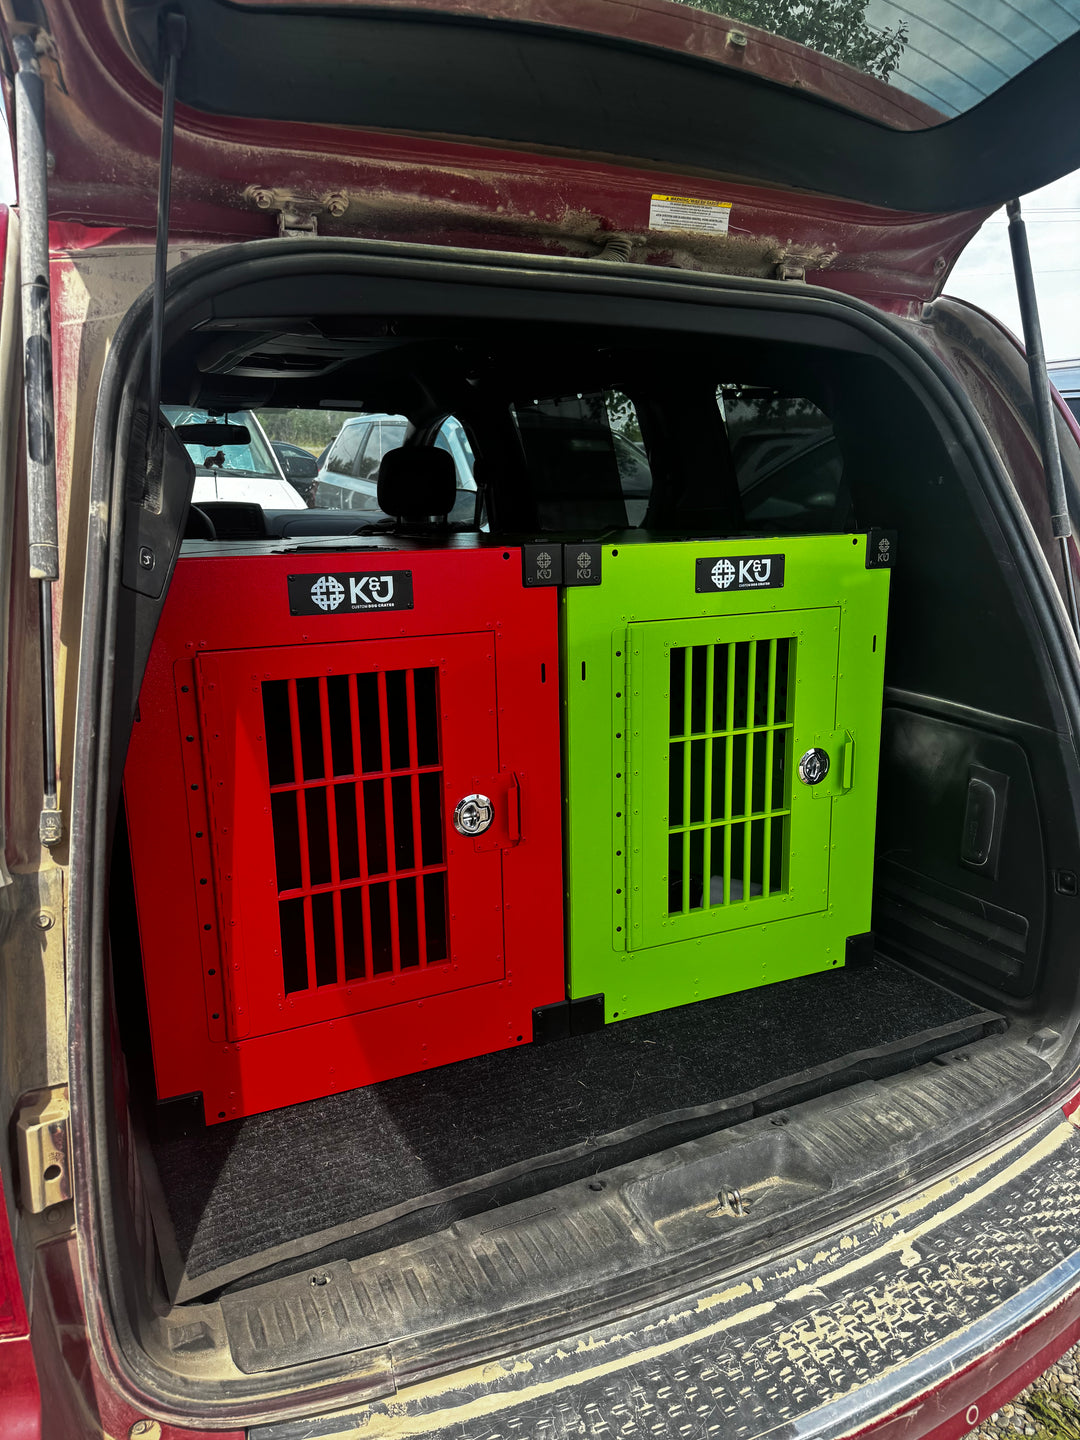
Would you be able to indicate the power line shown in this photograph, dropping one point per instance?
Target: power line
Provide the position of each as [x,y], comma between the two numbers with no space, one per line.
[1054,270]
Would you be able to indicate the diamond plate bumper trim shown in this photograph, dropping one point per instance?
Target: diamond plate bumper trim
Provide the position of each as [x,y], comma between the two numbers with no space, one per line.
[830,1340]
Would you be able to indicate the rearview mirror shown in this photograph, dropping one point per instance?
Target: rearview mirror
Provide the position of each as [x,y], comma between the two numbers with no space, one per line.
[210,434]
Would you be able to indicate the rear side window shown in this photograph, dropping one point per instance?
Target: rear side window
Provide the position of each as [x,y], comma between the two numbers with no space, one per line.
[345,451]
[585,460]
[635,475]
[787,461]
[385,435]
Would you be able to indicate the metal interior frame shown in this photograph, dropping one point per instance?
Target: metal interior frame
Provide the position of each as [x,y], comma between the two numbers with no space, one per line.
[469,281]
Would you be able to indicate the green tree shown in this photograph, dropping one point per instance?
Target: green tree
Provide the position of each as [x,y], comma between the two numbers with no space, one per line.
[837,28]
[313,429]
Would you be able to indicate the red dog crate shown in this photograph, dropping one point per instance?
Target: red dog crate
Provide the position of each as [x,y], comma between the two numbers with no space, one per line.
[343,807]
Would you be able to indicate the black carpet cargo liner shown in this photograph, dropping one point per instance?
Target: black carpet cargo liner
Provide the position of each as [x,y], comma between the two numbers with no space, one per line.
[356,1172]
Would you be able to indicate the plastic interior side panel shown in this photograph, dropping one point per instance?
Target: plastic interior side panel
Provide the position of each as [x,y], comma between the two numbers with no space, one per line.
[695,682]
[961,861]
[311,916]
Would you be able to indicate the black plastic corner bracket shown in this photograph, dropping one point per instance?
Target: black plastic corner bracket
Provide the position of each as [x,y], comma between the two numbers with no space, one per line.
[880,549]
[566,1018]
[560,564]
[178,1116]
[586,1014]
[859,949]
[541,565]
[582,566]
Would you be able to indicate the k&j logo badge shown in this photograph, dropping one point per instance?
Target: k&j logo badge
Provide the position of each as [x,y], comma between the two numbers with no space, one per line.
[739,572]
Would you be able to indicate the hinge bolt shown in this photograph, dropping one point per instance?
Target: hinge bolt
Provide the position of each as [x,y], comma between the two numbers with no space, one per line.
[45,921]
[145,1430]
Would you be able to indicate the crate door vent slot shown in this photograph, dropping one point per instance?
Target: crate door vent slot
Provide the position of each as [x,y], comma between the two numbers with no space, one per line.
[355,777]
[729,764]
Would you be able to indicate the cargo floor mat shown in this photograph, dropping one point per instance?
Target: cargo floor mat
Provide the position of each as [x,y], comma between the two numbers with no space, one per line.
[373,1167]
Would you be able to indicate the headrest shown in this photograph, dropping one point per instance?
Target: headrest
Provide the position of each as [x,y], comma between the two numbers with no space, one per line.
[417,481]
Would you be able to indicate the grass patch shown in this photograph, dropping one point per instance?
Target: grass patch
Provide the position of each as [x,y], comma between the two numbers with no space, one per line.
[1056,1416]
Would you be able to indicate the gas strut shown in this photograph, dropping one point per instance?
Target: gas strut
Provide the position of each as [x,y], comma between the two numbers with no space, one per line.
[173,35]
[1045,419]
[38,394]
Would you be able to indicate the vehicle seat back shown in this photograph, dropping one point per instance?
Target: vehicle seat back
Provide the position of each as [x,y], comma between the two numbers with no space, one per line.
[417,485]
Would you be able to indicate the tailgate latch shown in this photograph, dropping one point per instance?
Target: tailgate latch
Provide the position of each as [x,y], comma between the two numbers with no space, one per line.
[298,214]
[44,1149]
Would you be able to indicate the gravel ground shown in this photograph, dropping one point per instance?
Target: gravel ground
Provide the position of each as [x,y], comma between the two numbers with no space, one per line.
[1049,1409]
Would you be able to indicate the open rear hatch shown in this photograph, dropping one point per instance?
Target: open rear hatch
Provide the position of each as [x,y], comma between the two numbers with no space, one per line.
[344,1178]
[705,141]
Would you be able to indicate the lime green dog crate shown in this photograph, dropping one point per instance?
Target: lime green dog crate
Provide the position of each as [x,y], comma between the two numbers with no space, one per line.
[723,721]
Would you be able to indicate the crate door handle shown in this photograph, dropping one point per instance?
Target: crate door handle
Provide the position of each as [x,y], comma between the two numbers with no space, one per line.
[847,762]
[513,810]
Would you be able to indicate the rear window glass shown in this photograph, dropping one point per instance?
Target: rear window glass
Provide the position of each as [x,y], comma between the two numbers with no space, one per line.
[947,55]
[788,464]
[944,55]
[311,430]
[347,449]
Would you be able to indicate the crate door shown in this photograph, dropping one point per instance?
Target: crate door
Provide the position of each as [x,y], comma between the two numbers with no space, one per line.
[723,834]
[333,772]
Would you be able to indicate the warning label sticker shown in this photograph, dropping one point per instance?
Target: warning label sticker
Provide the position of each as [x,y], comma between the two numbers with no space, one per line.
[681,212]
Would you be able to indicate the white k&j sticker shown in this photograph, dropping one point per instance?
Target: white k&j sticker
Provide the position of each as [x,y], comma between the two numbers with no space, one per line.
[681,212]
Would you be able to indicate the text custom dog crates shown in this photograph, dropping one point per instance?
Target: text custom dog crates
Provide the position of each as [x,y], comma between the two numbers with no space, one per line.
[342,807]
[723,711]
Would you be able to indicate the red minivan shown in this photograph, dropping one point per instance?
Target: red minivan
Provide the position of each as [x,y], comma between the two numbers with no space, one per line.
[306,1135]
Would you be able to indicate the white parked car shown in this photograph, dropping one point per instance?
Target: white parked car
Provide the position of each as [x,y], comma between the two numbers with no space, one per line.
[250,473]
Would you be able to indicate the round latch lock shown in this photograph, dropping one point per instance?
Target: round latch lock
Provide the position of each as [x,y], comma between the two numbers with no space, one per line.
[473,814]
[813,767]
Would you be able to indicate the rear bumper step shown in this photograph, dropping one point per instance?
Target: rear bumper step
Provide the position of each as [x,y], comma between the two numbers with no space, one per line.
[880,1323]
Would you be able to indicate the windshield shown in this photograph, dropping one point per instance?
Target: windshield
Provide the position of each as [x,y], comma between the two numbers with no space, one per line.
[254,458]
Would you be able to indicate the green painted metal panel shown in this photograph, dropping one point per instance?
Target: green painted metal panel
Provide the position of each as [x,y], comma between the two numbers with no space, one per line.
[698,862]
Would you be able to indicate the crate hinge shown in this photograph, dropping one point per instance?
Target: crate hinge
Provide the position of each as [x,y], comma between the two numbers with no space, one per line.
[44,1149]
[298,214]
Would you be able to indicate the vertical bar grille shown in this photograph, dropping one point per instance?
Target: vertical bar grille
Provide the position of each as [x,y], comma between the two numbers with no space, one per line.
[729,766]
[355,775]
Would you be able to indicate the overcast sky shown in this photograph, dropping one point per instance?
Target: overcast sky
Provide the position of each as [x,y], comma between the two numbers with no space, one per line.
[983,274]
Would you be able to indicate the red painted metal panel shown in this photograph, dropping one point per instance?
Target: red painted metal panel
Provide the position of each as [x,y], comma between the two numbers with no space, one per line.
[12,1309]
[310,919]
[83,1396]
[20,1402]
[952,1410]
